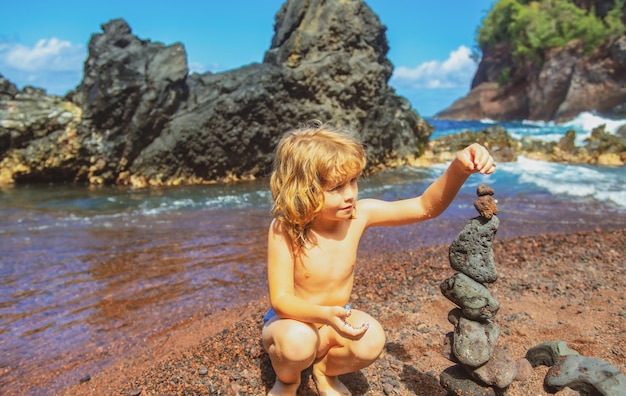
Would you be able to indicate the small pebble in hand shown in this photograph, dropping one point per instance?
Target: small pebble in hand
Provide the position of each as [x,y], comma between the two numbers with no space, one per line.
[364,325]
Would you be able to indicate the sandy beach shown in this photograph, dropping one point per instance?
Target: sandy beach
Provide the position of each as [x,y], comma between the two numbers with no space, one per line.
[567,287]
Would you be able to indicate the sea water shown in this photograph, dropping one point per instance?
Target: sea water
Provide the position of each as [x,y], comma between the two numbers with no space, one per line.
[87,273]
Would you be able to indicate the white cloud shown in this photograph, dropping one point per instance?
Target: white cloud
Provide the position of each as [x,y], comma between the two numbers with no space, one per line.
[47,55]
[201,68]
[455,72]
[196,67]
[53,64]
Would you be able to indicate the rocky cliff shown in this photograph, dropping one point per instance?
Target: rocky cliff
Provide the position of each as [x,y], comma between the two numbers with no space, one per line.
[138,118]
[566,82]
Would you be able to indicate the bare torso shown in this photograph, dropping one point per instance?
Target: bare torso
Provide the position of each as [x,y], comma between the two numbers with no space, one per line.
[324,272]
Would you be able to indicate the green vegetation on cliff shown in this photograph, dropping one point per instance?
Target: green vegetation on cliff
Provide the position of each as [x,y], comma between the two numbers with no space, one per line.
[532,27]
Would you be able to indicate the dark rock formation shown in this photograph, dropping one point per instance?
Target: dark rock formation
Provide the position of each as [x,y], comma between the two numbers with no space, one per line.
[137,117]
[566,83]
[131,90]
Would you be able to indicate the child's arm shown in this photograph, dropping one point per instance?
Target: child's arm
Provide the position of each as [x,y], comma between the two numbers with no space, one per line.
[282,294]
[437,197]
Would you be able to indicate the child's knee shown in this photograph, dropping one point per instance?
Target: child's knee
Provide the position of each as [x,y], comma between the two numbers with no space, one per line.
[297,343]
[373,342]
[379,339]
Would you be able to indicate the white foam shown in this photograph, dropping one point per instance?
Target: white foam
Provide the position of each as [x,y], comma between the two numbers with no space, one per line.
[572,180]
[540,124]
[617,197]
[588,121]
[519,133]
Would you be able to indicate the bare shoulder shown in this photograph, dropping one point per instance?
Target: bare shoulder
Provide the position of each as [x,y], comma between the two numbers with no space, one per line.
[279,248]
[277,231]
[276,226]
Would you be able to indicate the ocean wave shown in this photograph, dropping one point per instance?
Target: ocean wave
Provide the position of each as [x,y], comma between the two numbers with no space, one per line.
[488,121]
[547,131]
[522,177]
[544,135]
[539,124]
[588,121]
[600,183]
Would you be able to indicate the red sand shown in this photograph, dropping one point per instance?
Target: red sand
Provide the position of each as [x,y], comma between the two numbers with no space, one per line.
[566,287]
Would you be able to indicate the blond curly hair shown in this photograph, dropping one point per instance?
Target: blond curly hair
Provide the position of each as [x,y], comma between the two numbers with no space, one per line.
[308,161]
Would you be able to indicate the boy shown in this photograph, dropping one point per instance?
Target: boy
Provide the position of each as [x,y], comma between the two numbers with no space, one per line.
[312,248]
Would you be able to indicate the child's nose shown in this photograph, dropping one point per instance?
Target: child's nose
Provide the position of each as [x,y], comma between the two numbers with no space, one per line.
[350,193]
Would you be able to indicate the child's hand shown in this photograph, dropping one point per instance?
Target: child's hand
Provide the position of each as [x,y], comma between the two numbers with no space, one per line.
[476,158]
[339,323]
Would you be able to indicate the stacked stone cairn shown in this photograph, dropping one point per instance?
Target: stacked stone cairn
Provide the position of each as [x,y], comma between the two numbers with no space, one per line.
[483,368]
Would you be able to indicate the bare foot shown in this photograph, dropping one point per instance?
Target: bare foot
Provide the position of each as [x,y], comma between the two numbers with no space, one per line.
[329,386]
[282,389]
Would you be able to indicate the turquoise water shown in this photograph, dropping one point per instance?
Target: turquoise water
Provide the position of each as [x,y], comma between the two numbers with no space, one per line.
[88,273]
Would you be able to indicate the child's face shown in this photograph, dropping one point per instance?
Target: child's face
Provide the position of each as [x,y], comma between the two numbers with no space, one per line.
[340,199]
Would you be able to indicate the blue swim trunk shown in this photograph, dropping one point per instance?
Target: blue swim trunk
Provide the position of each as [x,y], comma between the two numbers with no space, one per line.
[269,315]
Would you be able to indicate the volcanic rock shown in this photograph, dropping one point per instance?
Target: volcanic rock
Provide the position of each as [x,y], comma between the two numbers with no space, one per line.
[486,206]
[589,376]
[471,252]
[564,84]
[547,353]
[142,120]
[474,342]
[472,297]
[454,379]
[499,371]
[484,189]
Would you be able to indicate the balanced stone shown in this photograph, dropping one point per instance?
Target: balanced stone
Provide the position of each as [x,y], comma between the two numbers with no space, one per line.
[472,297]
[446,349]
[484,189]
[457,382]
[474,342]
[499,371]
[471,252]
[524,370]
[482,367]
[486,206]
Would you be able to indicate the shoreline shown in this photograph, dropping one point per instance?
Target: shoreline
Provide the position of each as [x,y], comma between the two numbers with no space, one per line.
[551,287]
[49,364]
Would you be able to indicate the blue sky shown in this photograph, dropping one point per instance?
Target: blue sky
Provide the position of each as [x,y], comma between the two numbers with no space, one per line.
[44,43]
